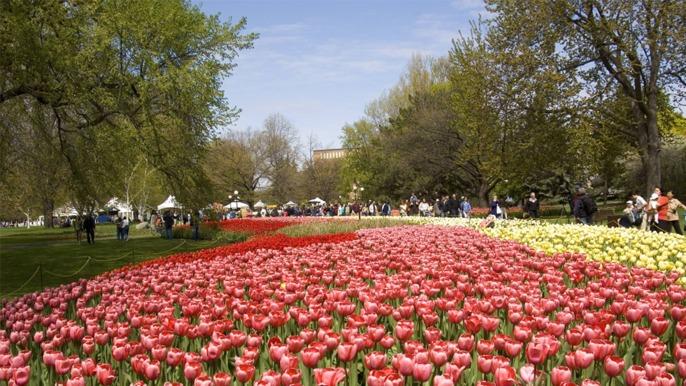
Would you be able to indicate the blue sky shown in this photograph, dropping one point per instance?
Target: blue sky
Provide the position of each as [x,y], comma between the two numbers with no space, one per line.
[320,62]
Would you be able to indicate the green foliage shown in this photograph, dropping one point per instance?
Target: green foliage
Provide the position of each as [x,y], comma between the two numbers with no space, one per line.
[121,80]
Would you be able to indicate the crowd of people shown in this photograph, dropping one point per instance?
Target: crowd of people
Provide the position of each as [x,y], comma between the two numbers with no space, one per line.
[660,213]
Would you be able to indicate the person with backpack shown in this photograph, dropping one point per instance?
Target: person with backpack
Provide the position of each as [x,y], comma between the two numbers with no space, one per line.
[118,223]
[168,225]
[584,207]
[89,227]
[495,208]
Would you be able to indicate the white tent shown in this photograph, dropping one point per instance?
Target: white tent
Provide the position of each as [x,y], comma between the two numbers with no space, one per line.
[66,211]
[236,205]
[290,203]
[260,204]
[121,207]
[169,203]
[317,201]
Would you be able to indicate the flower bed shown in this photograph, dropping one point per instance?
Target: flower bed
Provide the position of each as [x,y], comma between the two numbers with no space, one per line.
[392,307]
[253,226]
[660,251]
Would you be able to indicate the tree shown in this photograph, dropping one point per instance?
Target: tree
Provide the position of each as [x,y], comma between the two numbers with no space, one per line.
[238,162]
[635,46]
[280,142]
[118,78]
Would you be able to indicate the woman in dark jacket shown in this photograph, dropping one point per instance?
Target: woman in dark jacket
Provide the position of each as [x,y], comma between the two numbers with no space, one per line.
[496,210]
[532,206]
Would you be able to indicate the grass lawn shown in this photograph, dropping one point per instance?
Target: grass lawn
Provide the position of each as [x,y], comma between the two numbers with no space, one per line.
[61,256]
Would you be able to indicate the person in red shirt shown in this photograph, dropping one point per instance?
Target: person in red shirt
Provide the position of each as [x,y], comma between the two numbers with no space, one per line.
[662,211]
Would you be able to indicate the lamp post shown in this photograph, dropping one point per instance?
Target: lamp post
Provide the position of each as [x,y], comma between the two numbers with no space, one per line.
[234,198]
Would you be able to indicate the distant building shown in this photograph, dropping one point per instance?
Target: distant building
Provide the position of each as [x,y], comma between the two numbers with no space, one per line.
[323,154]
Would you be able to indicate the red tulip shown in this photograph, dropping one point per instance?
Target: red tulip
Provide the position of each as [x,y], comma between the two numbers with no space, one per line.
[202,380]
[244,372]
[680,329]
[613,366]
[583,358]
[438,355]
[634,374]
[505,376]
[641,335]
[659,325]
[485,363]
[347,351]
[422,371]
[465,342]
[536,353]
[440,380]
[473,324]
[291,376]
[375,360]
[192,370]
[462,358]
[76,381]
[404,330]
[288,361]
[152,369]
[485,346]
[222,379]
[453,371]
[105,374]
[310,357]
[681,368]
[329,376]
[560,374]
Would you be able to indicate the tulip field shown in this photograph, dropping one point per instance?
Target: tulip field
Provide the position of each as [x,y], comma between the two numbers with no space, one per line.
[418,304]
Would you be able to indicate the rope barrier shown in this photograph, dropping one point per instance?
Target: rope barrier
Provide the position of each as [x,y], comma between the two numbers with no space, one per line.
[108,260]
[88,260]
[25,283]
[174,248]
[70,275]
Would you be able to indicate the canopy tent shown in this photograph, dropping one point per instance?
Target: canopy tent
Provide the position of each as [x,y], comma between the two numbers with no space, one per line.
[260,204]
[317,201]
[66,211]
[169,203]
[237,205]
[119,207]
[290,203]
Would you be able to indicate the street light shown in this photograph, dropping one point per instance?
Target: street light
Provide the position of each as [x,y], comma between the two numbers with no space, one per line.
[234,198]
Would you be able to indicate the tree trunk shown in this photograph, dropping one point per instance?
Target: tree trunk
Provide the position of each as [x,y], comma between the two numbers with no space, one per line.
[48,209]
[484,190]
[649,147]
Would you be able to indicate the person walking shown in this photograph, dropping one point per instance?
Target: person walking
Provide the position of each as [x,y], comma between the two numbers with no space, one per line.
[662,210]
[195,225]
[584,207]
[125,229]
[168,225]
[496,210]
[532,206]
[673,212]
[78,228]
[386,209]
[640,205]
[117,222]
[466,207]
[89,227]
[453,206]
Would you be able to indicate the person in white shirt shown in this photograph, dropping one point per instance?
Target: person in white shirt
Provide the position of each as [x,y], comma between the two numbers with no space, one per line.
[424,208]
[125,228]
